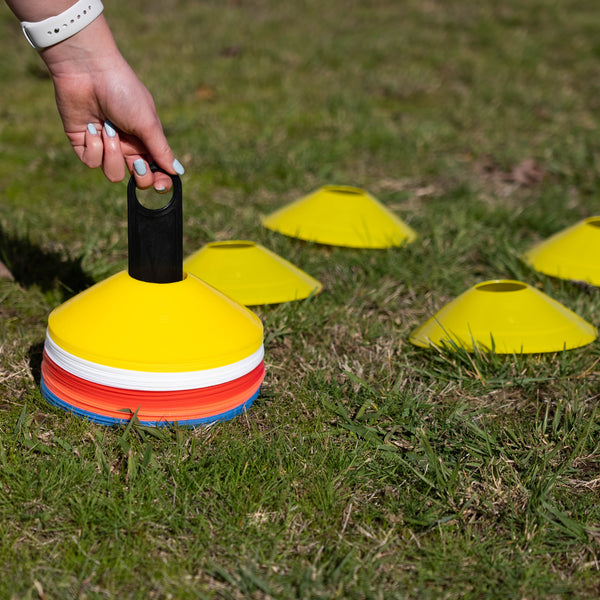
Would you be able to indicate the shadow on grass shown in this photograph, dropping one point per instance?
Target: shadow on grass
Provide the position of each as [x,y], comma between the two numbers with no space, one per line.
[30,265]
[36,353]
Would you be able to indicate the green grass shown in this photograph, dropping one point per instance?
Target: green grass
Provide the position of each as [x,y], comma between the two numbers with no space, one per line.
[367,468]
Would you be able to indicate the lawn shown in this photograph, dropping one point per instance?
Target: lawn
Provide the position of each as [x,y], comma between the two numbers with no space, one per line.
[367,467]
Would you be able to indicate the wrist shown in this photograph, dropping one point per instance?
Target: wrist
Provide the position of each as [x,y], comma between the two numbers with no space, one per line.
[93,45]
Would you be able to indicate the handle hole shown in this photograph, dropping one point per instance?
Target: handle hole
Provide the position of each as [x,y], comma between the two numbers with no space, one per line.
[152,200]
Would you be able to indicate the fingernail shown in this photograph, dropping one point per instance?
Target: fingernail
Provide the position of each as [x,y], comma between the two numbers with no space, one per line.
[178,168]
[161,190]
[92,128]
[140,167]
[110,130]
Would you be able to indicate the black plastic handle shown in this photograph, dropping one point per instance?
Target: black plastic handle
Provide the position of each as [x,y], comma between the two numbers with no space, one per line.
[155,236]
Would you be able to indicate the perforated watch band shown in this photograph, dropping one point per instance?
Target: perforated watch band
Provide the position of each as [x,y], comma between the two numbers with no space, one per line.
[56,29]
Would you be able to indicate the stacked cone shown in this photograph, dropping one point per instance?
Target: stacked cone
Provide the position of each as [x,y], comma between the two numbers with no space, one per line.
[153,341]
[173,352]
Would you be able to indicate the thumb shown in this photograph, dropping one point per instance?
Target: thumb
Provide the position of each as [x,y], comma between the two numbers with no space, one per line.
[160,152]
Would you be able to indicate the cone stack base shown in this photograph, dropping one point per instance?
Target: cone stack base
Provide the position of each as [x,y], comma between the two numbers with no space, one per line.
[169,353]
[124,415]
[113,405]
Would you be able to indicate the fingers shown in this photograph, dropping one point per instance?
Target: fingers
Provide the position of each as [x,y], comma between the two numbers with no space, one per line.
[127,149]
[105,146]
[92,147]
[144,178]
[162,183]
[157,147]
[102,147]
[113,162]
[152,137]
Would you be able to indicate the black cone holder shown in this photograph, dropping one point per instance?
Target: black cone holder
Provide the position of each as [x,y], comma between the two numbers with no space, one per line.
[155,236]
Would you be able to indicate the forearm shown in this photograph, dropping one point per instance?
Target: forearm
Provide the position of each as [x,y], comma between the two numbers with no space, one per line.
[38,10]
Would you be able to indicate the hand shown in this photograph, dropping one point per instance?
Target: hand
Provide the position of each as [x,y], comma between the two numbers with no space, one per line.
[107,113]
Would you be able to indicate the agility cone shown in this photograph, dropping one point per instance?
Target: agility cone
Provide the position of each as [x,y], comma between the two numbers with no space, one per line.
[250,274]
[341,216]
[508,317]
[153,341]
[570,254]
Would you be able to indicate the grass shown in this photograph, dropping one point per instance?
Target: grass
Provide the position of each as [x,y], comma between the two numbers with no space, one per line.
[367,468]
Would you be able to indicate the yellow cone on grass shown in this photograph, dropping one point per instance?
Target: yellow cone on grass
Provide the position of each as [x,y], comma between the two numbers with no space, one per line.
[573,253]
[507,317]
[250,273]
[341,216]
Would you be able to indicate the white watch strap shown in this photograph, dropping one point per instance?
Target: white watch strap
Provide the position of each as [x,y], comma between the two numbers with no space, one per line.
[56,29]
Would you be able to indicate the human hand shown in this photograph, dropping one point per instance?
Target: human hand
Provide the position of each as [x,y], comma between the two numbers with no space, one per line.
[107,113]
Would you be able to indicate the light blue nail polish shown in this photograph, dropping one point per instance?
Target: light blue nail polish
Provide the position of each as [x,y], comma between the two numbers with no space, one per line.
[161,190]
[140,167]
[178,168]
[92,129]
[110,130]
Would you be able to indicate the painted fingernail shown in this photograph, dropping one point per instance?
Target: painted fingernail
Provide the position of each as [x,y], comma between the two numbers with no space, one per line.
[161,190]
[140,167]
[110,130]
[92,128]
[178,167]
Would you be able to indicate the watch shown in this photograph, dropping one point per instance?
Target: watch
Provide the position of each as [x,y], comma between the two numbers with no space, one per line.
[56,29]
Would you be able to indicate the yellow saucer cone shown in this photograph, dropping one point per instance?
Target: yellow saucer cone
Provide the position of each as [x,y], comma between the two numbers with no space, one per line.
[250,273]
[341,216]
[572,253]
[507,317]
[158,327]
